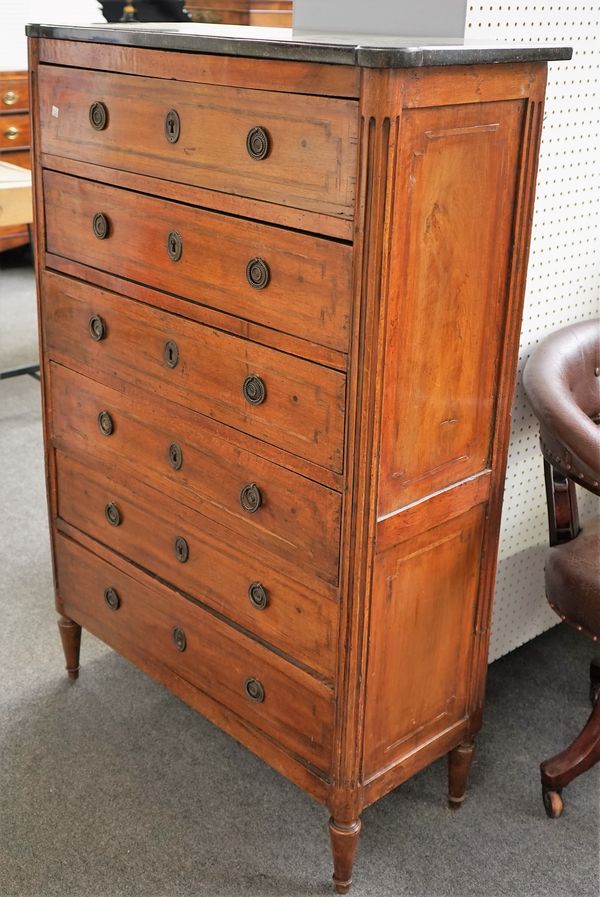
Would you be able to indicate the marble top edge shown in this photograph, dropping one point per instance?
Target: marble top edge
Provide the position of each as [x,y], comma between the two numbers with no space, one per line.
[370,51]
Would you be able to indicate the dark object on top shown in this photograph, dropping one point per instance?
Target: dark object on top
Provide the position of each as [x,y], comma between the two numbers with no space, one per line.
[562,381]
[147,10]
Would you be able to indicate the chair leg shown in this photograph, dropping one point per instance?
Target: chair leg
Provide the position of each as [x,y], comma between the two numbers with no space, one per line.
[560,770]
[594,680]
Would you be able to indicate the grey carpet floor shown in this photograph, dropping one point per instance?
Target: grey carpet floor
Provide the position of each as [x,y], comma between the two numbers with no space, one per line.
[111,787]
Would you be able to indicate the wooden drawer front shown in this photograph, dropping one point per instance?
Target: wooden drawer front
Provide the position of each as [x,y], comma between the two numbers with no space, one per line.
[175,543]
[297,709]
[303,408]
[14,131]
[307,292]
[298,519]
[14,95]
[19,157]
[311,163]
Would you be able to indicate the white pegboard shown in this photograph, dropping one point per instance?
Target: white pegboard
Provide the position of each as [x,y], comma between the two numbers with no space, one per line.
[563,283]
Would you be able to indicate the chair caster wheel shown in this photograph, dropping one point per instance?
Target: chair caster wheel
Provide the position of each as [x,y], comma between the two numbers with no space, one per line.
[553,803]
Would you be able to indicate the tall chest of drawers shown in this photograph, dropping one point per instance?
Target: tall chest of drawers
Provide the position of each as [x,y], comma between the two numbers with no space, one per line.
[280,291]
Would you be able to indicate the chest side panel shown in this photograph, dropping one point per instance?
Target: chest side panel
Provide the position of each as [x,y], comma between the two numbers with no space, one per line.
[458,171]
[457,252]
[424,598]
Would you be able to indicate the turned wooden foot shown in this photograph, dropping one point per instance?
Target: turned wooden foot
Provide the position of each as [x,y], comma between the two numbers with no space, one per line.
[459,766]
[344,840]
[580,756]
[70,634]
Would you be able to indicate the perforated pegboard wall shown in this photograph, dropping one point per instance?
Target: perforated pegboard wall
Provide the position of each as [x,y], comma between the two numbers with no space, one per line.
[563,283]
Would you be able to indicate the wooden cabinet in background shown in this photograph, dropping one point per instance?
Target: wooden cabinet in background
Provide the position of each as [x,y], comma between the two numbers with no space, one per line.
[14,140]
[265,13]
[280,302]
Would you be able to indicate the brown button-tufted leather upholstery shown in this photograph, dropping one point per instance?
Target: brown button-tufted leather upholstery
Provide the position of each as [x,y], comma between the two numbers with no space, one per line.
[562,381]
[573,580]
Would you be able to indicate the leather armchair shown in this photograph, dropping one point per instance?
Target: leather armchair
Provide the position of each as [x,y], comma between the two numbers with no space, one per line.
[562,382]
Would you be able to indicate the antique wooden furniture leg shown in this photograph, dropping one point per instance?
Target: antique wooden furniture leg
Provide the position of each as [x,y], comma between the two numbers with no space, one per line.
[344,841]
[70,634]
[459,766]
[580,756]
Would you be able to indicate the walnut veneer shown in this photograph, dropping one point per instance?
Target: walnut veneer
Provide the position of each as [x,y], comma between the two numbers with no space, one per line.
[280,305]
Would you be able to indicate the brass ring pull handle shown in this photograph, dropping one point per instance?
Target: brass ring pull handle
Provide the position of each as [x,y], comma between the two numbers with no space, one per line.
[258,595]
[112,514]
[250,498]
[254,390]
[258,273]
[10,98]
[96,328]
[11,133]
[111,598]
[98,116]
[105,423]
[172,126]
[175,455]
[100,226]
[258,143]
[254,690]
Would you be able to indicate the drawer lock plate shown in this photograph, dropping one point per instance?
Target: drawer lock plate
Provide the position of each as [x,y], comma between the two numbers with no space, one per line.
[172,126]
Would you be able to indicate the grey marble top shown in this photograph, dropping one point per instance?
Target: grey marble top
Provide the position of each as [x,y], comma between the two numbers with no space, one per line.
[371,51]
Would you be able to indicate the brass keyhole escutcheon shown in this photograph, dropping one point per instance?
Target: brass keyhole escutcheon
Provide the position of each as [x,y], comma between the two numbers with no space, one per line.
[112,514]
[179,638]
[258,143]
[250,498]
[182,550]
[106,424]
[254,690]
[258,595]
[98,116]
[96,328]
[172,126]
[258,273]
[111,598]
[171,353]
[254,390]
[175,454]
[100,225]
[174,246]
